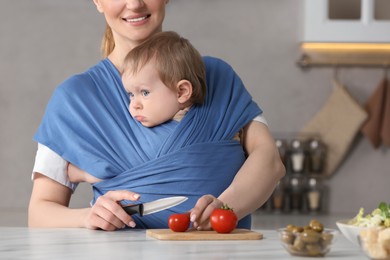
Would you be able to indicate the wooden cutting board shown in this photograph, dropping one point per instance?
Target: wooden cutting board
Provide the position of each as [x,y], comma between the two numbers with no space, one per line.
[237,234]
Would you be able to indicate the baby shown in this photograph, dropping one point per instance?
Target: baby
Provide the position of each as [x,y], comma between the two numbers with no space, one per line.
[164,77]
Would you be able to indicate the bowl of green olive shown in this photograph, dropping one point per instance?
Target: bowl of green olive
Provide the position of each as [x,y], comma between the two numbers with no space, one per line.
[312,240]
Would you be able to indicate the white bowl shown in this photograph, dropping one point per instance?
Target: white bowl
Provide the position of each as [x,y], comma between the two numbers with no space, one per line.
[351,232]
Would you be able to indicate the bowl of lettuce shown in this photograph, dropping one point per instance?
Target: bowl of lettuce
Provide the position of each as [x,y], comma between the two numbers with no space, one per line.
[379,217]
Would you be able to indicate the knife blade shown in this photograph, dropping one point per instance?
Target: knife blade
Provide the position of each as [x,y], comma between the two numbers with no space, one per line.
[154,206]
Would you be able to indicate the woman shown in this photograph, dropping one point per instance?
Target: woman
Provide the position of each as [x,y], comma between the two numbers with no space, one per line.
[129,23]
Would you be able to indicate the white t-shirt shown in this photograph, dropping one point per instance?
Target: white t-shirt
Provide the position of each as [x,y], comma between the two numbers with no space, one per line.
[50,164]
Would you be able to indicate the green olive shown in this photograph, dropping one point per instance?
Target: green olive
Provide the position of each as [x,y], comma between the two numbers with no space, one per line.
[299,245]
[316,225]
[287,237]
[297,229]
[310,236]
[313,249]
[307,228]
[290,227]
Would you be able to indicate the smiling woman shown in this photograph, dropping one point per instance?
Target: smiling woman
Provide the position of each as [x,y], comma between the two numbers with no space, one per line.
[131,27]
[87,126]
[34,59]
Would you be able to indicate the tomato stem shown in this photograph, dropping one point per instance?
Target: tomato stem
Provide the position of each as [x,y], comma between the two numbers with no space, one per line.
[226,207]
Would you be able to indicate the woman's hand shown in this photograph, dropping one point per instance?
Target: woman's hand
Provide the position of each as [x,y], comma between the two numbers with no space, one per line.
[200,214]
[108,214]
[49,207]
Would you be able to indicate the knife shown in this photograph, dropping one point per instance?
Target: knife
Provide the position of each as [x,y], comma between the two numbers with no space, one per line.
[154,206]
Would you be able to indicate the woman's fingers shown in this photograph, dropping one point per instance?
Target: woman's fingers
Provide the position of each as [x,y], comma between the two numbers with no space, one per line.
[102,218]
[108,214]
[118,195]
[200,214]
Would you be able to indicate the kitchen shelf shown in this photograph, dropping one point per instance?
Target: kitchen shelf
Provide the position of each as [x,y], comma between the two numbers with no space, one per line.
[317,54]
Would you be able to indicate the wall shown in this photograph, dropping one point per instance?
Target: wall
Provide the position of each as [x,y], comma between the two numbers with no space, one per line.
[44,41]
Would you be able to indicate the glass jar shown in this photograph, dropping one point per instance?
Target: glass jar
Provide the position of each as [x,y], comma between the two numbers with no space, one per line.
[296,193]
[314,194]
[317,154]
[297,156]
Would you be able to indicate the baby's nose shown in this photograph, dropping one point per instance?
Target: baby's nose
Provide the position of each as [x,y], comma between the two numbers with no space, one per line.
[136,104]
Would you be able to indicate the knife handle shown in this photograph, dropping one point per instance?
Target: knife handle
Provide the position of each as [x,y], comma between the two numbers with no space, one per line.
[134,209]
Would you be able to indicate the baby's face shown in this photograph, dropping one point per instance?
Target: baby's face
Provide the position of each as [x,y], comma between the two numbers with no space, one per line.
[151,101]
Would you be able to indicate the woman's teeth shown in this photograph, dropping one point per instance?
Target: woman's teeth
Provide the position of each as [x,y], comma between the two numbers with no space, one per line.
[136,19]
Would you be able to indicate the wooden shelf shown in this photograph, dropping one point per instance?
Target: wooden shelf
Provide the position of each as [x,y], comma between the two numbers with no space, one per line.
[345,54]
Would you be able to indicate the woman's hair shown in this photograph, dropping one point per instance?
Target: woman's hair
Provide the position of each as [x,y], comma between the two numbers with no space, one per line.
[108,42]
[175,58]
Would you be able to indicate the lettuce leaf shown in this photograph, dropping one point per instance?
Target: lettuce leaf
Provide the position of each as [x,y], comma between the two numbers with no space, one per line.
[378,217]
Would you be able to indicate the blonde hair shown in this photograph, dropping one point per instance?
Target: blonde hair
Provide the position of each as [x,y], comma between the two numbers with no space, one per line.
[176,59]
[108,42]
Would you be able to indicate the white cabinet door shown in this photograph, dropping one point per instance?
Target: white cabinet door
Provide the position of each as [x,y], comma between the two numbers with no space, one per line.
[319,28]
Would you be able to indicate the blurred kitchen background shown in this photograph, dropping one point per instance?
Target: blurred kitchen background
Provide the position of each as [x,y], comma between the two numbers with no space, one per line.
[42,42]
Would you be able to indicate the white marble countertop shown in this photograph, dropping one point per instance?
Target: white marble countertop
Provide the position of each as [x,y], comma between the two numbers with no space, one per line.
[38,243]
[260,219]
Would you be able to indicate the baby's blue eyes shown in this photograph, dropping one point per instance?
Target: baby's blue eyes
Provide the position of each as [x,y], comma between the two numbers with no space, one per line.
[144,93]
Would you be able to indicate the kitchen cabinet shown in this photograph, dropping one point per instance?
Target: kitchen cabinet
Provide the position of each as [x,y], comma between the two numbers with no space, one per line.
[362,21]
[345,33]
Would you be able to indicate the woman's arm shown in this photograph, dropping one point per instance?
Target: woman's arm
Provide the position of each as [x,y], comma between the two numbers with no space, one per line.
[254,182]
[259,175]
[49,207]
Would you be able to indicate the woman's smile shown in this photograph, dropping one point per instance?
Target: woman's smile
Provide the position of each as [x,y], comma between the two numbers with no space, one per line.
[136,19]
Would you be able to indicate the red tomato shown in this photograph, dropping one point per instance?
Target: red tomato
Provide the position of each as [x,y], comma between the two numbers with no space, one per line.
[223,220]
[179,222]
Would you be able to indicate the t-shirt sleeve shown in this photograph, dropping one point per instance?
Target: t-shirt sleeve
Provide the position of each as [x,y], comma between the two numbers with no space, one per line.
[53,166]
[261,119]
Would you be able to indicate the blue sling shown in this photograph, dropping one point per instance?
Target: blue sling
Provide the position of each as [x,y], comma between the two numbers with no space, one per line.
[87,122]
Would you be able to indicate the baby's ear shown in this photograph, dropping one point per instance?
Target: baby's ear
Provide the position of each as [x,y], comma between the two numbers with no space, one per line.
[184,91]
